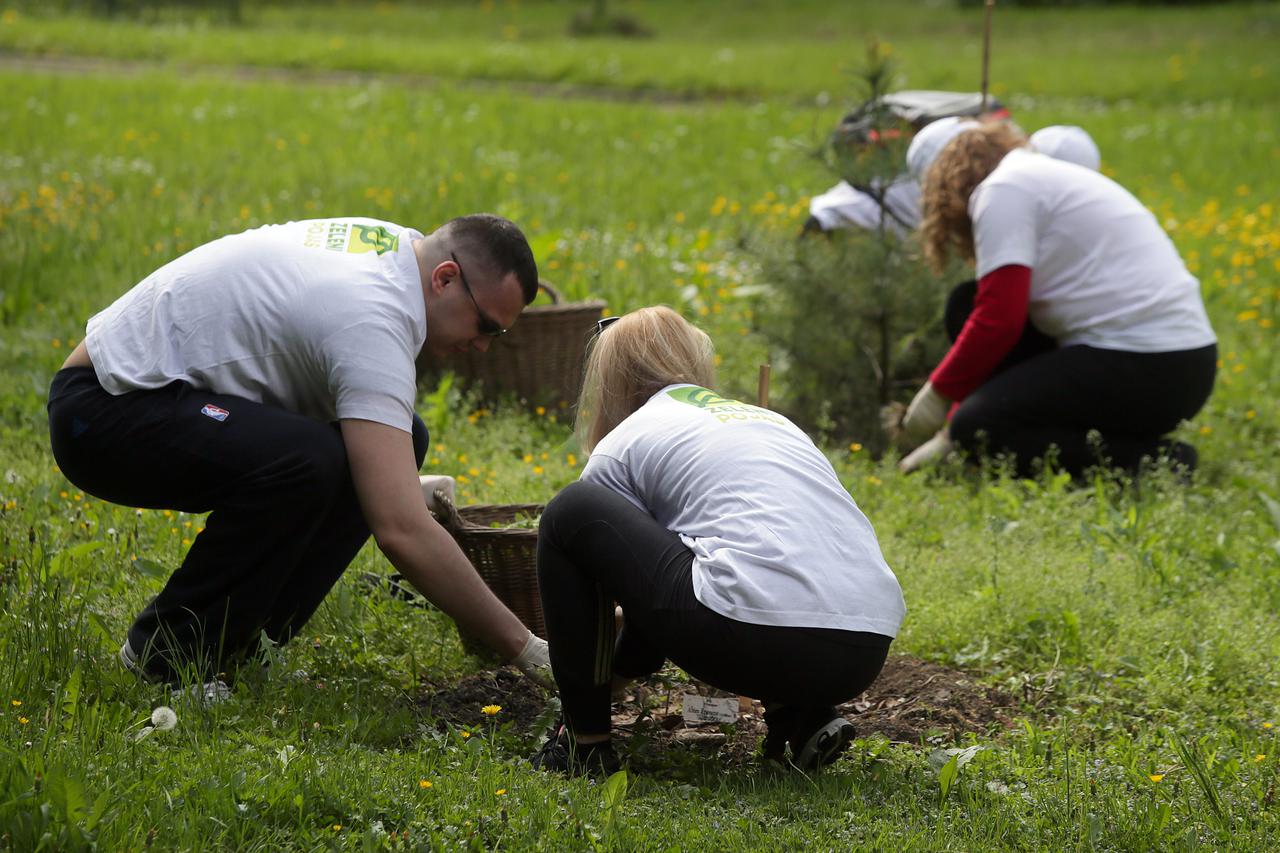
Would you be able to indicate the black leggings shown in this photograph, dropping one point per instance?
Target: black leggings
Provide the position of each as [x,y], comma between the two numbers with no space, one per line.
[283,522]
[1095,406]
[596,548]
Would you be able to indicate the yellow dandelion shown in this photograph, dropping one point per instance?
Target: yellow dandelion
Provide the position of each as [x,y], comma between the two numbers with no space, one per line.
[490,710]
[1250,415]
[1156,777]
[527,458]
[571,459]
[1267,725]
[537,469]
[1205,430]
[465,734]
[17,703]
[337,827]
[23,720]
[424,783]
[501,792]
[855,447]
[874,480]
[540,411]
[1258,757]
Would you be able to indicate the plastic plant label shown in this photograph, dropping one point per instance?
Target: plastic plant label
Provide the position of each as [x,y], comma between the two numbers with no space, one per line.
[709,709]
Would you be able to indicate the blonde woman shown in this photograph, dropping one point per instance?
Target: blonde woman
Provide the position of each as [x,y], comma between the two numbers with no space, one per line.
[727,539]
[1086,337]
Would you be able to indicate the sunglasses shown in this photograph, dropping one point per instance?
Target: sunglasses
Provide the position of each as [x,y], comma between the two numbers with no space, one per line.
[605,322]
[487,325]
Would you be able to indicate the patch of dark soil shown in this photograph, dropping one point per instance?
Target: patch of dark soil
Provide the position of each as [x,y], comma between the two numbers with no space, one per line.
[912,702]
[521,700]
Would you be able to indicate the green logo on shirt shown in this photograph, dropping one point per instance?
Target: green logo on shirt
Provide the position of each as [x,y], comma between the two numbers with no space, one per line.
[724,409]
[372,238]
[351,237]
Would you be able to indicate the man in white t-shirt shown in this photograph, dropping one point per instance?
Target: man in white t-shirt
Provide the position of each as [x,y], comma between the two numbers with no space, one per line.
[267,378]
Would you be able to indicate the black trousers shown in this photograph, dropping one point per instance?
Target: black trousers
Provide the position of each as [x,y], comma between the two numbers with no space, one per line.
[283,523]
[1095,406]
[595,548]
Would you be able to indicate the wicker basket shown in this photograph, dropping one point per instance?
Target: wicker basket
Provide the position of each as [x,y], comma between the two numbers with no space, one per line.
[539,360]
[505,558]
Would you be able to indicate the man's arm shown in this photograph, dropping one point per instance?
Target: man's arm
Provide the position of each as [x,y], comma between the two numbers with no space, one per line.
[386,481]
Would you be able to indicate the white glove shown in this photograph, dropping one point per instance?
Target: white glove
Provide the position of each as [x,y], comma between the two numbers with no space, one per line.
[926,414]
[431,482]
[534,661]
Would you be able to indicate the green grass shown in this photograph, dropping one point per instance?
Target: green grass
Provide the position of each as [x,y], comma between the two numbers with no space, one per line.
[1144,624]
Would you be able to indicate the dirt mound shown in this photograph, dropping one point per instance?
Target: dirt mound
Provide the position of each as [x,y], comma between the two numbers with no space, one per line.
[913,702]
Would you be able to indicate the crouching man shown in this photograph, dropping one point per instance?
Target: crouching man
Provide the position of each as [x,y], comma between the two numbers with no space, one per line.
[267,378]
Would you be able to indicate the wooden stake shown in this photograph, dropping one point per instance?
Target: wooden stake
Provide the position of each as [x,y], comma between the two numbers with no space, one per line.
[986,50]
[763,393]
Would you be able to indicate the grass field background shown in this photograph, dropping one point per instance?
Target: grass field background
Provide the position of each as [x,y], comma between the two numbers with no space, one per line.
[1147,617]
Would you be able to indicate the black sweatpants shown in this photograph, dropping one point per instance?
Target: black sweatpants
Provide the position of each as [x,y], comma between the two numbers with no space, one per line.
[595,548]
[284,521]
[1095,406]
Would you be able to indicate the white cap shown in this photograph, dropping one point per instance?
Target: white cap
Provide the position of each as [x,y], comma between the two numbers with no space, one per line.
[1069,143]
[932,138]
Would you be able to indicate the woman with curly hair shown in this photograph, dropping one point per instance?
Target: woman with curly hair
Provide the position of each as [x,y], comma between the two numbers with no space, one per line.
[1085,337]
[727,539]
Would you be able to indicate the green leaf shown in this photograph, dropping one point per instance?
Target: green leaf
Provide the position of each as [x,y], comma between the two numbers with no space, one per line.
[71,699]
[615,789]
[149,568]
[1273,507]
[64,558]
[947,777]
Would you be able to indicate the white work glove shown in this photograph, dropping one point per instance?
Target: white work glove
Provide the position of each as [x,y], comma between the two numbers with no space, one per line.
[431,482]
[926,414]
[534,661]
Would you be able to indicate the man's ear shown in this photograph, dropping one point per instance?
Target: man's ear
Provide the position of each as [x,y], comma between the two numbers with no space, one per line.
[440,278]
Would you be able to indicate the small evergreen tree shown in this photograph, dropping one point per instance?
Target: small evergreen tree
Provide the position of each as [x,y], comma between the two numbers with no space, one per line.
[853,318]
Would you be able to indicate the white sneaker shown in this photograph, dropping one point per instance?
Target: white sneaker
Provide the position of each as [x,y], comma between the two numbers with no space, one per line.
[209,693]
[932,451]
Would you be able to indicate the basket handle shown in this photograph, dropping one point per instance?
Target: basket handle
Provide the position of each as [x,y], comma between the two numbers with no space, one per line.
[550,291]
[452,520]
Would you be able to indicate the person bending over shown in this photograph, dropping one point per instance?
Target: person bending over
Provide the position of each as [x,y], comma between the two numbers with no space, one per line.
[1085,333]
[268,378]
[727,539]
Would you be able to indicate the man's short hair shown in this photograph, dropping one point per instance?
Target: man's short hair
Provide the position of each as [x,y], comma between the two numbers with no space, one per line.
[497,244]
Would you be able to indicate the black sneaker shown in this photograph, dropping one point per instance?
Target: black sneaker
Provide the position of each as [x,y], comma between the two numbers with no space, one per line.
[561,754]
[823,745]
[816,736]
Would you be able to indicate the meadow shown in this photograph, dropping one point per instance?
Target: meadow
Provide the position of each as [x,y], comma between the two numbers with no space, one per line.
[1135,627]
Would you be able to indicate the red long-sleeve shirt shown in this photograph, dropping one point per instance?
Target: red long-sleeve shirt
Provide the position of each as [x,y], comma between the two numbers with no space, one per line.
[994,326]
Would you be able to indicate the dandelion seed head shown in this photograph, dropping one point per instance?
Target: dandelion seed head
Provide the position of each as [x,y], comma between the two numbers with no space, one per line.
[164,718]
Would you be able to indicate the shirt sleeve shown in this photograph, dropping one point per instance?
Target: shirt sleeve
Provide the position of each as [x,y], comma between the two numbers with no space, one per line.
[994,326]
[1005,226]
[371,376]
[613,475]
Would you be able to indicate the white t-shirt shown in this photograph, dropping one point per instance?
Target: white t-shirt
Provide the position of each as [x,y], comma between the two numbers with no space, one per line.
[843,206]
[320,317]
[1103,272]
[776,539]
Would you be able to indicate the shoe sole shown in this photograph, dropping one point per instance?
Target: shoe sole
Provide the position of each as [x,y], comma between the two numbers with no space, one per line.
[825,745]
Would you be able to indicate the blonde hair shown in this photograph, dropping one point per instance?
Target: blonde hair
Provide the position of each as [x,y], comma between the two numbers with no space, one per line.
[634,358]
[964,163]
